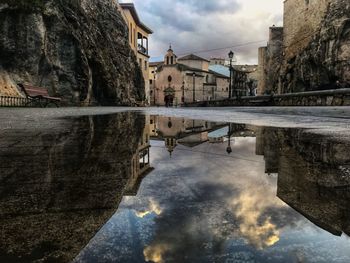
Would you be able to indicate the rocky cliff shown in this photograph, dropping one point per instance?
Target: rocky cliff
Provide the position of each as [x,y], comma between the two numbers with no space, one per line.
[325,62]
[77,49]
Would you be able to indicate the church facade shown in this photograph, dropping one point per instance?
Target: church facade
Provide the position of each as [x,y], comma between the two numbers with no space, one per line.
[187,79]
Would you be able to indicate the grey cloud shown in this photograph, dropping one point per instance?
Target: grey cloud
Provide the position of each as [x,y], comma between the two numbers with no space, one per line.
[193,25]
[211,6]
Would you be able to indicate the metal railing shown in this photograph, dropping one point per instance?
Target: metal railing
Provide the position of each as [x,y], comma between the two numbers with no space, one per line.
[8,101]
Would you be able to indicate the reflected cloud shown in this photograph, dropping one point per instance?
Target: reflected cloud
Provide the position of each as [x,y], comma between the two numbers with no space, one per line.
[155,253]
[153,208]
[259,231]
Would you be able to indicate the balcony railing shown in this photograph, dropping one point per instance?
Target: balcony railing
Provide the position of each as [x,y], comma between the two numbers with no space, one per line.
[142,49]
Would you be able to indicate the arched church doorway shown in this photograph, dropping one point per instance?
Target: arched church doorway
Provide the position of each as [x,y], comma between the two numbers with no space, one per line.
[169,97]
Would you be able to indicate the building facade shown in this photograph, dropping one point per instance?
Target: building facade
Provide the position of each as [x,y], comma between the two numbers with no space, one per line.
[138,40]
[187,79]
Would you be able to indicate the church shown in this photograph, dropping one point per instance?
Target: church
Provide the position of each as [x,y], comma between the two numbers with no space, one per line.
[187,79]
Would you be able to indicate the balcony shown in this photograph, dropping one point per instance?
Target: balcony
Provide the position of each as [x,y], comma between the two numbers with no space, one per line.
[142,44]
[142,49]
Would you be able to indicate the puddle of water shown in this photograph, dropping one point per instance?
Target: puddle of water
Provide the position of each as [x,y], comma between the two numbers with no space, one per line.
[134,188]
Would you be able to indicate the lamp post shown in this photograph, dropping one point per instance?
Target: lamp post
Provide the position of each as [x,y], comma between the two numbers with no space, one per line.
[194,86]
[230,55]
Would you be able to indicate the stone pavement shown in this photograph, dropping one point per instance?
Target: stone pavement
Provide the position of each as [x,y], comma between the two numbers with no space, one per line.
[330,120]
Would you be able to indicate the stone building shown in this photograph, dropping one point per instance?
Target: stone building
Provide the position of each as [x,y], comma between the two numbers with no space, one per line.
[152,80]
[315,53]
[180,131]
[244,78]
[140,161]
[138,40]
[218,61]
[270,60]
[188,79]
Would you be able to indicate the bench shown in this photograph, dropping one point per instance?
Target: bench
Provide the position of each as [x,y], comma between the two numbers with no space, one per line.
[39,96]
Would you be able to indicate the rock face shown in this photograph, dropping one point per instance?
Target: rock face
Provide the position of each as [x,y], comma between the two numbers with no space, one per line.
[77,49]
[61,181]
[325,62]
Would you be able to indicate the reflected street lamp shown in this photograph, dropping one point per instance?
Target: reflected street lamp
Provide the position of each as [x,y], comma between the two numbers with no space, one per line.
[229,148]
[230,55]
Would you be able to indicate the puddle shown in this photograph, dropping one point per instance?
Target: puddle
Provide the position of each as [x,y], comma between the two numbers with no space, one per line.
[135,188]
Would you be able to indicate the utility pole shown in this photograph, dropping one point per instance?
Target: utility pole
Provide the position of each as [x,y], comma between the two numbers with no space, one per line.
[194,86]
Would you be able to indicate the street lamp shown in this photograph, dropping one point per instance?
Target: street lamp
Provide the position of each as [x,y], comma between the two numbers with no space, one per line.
[194,86]
[230,55]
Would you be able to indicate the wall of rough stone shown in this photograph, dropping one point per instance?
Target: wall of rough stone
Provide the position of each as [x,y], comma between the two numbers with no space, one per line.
[270,61]
[340,97]
[78,50]
[302,19]
[324,63]
[262,70]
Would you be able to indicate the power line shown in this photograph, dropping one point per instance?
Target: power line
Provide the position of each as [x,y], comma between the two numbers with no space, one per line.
[221,48]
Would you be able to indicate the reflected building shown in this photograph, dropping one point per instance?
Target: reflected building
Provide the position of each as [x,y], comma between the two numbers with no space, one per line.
[62,182]
[181,131]
[140,161]
[313,174]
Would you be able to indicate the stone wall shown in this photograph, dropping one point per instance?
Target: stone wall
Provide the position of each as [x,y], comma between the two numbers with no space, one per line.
[325,62]
[302,19]
[340,97]
[262,70]
[270,61]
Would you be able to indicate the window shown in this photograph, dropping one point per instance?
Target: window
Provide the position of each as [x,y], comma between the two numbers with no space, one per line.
[170,78]
[151,81]
[172,60]
[130,33]
[146,65]
[135,38]
[167,60]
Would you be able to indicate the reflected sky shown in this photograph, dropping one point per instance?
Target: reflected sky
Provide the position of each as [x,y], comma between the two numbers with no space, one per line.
[202,205]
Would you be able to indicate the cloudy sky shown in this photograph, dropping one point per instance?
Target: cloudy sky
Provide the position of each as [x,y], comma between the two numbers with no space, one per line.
[197,25]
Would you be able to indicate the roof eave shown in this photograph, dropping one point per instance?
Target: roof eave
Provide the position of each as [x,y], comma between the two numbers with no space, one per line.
[132,9]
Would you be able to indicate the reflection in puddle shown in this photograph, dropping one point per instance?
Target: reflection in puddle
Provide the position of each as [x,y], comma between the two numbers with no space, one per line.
[132,188]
